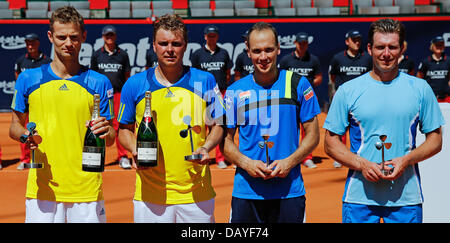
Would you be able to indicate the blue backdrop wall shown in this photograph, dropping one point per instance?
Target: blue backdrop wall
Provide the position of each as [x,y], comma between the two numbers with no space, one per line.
[327,38]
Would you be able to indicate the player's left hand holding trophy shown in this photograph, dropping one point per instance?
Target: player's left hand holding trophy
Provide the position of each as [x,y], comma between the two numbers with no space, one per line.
[33,139]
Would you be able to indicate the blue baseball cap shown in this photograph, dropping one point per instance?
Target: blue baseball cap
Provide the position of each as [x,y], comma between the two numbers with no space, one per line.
[245,35]
[352,34]
[31,36]
[437,39]
[211,29]
[301,36]
[108,29]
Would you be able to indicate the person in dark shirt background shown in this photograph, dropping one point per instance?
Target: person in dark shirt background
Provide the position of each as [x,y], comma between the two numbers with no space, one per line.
[346,65]
[213,59]
[32,59]
[113,62]
[350,63]
[151,60]
[435,69]
[406,64]
[302,62]
[243,65]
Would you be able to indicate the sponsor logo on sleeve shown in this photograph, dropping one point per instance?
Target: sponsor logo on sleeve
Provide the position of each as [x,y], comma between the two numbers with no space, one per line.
[308,94]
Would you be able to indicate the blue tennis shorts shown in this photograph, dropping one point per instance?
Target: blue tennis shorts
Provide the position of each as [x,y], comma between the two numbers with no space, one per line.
[359,213]
[290,210]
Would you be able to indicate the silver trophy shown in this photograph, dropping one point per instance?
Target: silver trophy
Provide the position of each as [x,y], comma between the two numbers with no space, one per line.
[381,146]
[266,145]
[184,133]
[31,127]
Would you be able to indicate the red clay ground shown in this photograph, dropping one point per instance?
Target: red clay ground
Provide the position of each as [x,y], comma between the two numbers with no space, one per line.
[324,185]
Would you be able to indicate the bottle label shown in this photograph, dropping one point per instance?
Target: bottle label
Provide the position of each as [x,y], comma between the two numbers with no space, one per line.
[92,156]
[147,151]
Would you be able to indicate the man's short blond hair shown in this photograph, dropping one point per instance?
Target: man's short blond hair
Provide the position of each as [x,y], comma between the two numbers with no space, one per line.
[387,26]
[65,15]
[170,22]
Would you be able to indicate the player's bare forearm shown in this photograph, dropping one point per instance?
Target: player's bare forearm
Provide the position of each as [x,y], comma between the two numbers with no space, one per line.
[339,152]
[255,168]
[214,137]
[110,136]
[310,141]
[17,126]
[334,147]
[127,138]
[281,168]
[231,150]
[431,146]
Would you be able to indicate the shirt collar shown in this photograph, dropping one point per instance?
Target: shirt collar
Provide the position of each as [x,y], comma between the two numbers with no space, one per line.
[41,55]
[209,51]
[116,50]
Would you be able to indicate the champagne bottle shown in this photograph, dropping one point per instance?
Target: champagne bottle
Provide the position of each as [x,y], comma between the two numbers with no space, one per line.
[147,137]
[94,146]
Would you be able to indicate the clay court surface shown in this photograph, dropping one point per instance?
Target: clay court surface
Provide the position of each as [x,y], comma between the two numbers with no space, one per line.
[324,185]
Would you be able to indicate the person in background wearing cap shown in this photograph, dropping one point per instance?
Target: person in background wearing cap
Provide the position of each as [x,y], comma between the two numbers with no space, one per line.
[435,69]
[243,65]
[346,65]
[151,60]
[113,62]
[32,59]
[213,59]
[305,64]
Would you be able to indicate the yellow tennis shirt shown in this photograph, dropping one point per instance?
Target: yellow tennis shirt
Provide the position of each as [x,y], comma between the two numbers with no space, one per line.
[174,180]
[60,109]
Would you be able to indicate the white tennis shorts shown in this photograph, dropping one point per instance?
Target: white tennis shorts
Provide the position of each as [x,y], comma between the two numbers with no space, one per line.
[200,212]
[41,211]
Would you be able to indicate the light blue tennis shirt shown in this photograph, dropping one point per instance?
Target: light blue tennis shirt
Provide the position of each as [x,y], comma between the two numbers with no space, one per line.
[370,108]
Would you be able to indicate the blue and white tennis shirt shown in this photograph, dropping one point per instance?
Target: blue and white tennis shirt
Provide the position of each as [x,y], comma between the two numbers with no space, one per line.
[276,110]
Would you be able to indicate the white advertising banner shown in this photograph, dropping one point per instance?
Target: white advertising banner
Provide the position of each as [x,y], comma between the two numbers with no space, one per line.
[435,177]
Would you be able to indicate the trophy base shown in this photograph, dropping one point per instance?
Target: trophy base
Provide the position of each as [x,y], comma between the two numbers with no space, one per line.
[193,157]
[387,172]
[32,165]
